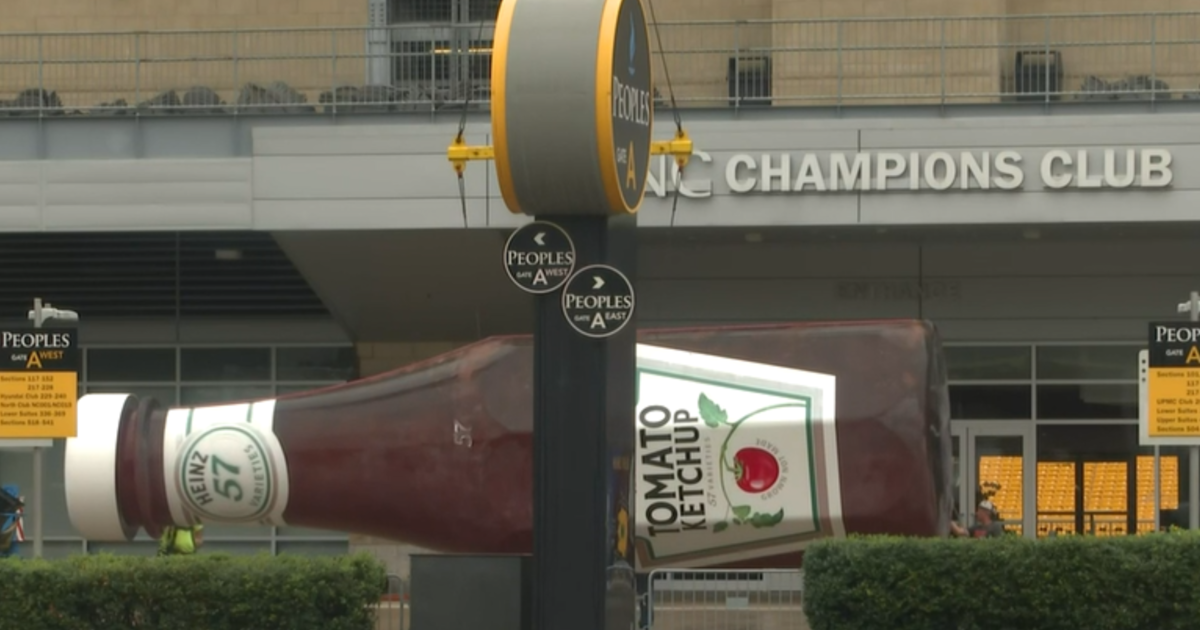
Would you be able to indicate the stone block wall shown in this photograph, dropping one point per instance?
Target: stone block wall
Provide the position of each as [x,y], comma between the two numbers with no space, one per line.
[701,42]
[822,52]
[1174,57]
[866,52]
[130,57]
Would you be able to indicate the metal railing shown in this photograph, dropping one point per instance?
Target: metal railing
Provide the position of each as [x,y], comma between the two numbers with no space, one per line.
[701,599]
[748,63]
[391,613]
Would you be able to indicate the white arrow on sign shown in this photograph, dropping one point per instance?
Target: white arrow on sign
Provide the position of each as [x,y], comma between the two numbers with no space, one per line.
[540,238]
[597,282]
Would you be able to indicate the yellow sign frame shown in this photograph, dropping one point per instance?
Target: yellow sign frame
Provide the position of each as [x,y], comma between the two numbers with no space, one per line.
[1169,401]
[38,405]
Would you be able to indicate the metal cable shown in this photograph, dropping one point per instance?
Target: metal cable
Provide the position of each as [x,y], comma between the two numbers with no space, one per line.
[674,107]
[462,123]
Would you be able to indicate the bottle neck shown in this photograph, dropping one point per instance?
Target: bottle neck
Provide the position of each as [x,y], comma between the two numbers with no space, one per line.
[141,488]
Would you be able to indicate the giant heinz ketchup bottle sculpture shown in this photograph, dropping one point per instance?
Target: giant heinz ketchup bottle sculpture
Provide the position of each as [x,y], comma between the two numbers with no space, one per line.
[751,442]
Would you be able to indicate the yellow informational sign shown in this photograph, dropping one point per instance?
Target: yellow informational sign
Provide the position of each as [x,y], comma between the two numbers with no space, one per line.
[38,383]
[1174,403]
[38,404]
[1170,385]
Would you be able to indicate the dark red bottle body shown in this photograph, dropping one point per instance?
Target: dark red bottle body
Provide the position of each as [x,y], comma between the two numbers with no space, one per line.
[439,453]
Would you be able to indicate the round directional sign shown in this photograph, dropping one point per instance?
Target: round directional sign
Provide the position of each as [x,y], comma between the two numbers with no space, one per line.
[598,301]
[539,257]
[594,95]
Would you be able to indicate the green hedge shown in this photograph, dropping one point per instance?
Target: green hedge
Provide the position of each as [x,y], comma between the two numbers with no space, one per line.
[202,592]
[1064,583]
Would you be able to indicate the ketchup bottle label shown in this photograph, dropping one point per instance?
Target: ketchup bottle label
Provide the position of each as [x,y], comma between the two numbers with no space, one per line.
[224,464]
[735,460]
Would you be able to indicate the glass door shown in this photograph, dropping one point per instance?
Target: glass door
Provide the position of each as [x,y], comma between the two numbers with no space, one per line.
[1093,480]
[993,462]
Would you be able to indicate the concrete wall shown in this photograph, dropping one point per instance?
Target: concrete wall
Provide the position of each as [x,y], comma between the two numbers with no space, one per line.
[323,178]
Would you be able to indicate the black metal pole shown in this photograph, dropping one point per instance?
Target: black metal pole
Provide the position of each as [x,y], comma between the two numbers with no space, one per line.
[583,434]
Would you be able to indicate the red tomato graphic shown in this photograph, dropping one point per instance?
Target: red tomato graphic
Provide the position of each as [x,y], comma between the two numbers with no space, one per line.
[760,469]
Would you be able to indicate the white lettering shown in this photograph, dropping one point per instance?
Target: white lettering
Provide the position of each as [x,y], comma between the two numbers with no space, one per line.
[783,173]
[852,176]
[1166,334]
[978,171]
[946,180]
[35,340]
[810,174]
[540,259]
[888,165]
[630,104]
[1086,179]
[602,302]
[1124,180]
[1156,168]
[1008,164]
[692,188]
[736,184]
[1049,177]
[804,172]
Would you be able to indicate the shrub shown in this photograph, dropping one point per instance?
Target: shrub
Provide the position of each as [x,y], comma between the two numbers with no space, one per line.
[1063,583]
[202,592]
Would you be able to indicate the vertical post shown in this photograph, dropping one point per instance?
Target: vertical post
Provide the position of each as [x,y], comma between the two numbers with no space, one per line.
[1157,488]
[333,81]
[236,71]
[36,510]
[1045,83]
[942,59]
[582,424]
[1153,58]
[137,72]
[41,65]
[1194,452]
[841,70]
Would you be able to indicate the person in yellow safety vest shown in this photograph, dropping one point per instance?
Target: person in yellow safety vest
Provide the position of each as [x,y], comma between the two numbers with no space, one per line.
[181,541]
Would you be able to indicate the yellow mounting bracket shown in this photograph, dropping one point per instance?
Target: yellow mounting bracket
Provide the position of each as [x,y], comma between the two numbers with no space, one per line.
[680,146]
[459,152]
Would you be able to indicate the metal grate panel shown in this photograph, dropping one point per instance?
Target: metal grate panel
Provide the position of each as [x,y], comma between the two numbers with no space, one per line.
[176,274]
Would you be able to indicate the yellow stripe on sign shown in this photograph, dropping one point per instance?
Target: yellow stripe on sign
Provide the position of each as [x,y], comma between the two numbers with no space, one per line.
[500,39]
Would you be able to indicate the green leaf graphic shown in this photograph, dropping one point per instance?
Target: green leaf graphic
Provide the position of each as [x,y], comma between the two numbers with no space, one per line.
[720,527]
[710,413]
[742,511]
[761,520]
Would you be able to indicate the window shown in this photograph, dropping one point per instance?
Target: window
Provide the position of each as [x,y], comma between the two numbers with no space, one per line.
[403,11]
[480,60]
[1044,382]
[989,363]
[126,365]
[420,61]
[332,363]
[1087,402]
[1079,363]
[749,81]
[990,402]
[196,395]
[225,364]
[442,11]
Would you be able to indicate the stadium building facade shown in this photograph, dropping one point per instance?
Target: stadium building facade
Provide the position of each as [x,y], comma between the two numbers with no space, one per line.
[259,202]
